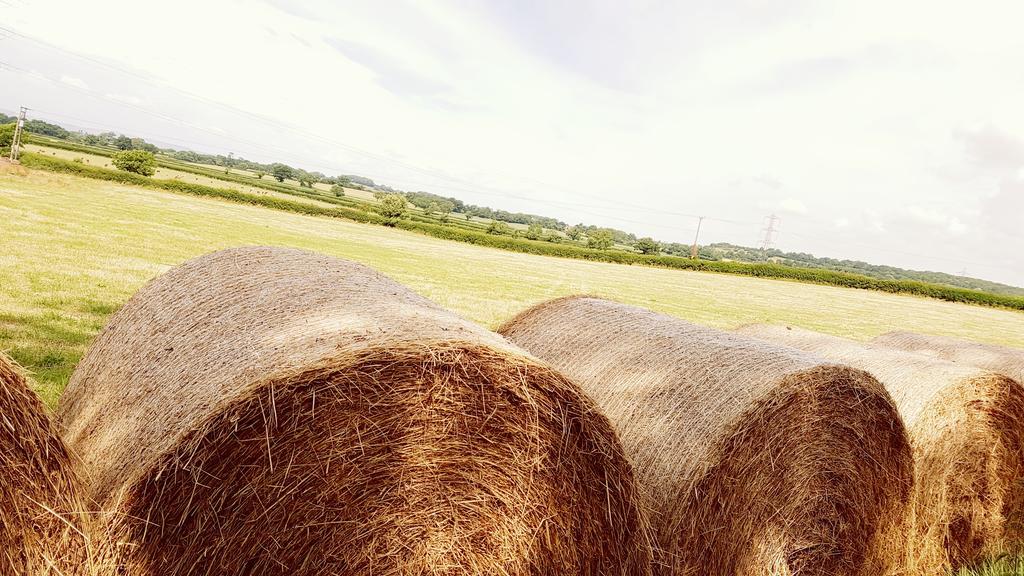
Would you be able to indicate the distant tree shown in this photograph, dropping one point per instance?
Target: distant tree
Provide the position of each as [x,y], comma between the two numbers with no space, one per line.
[343,181]
[6,139]
[281,171]
[91,139]
[534,231]
[393,208]
[260,174]
[140,144]
[647,246]
[574,232]
[553,237]
[497,227]
[46,129]
[186,156]
[600,239]
[338,190]
[123,142]
[136,161]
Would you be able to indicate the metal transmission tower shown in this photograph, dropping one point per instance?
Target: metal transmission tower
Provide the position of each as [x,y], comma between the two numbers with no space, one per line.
[769,232]
[18,129]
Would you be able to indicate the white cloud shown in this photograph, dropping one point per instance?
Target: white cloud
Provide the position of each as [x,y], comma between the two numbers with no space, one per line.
[793,205]
[127,99]
[956,227]
[72,81]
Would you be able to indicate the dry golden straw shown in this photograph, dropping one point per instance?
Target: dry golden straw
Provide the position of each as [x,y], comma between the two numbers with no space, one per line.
[273,411]
[41,516]
[1001,359]
[967,429]
[753,459]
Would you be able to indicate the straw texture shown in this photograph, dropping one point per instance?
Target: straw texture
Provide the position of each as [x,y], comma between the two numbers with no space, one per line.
[42,529]
[273,411]
[752,459]
[1001,359]
[967,429]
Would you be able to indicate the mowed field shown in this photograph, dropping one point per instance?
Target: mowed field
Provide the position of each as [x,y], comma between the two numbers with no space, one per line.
[73,250]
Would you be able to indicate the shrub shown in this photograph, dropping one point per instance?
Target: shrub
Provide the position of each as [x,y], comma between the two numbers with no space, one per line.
[499,228]
[600,240]
[338,190]
[6,139]
[135,161]
[534,231]
[647,246]
[392,208]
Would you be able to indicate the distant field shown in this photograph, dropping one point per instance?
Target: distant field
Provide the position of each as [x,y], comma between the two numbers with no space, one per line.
[169,173]
[72,250]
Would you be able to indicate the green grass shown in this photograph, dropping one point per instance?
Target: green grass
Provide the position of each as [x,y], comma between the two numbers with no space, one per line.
[72,250]
[1002,567]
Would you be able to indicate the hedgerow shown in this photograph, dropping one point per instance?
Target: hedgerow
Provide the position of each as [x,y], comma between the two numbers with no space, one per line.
[63,166]
[539,247]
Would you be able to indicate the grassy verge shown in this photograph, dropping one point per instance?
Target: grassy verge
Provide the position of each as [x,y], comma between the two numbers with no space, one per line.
[447,232]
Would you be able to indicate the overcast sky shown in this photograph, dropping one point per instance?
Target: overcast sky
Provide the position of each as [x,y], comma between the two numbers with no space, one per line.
[891,132]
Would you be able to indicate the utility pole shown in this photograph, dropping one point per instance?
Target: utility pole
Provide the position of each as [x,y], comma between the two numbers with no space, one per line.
[18,129]
[769,232]
[693,249]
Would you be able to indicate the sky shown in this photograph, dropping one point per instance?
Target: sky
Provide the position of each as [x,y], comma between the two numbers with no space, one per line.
[890,132]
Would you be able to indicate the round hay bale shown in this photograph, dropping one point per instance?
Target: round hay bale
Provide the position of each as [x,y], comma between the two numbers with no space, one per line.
[274,411]
[752,459]
[967,429]
[42,528]
[1001,359]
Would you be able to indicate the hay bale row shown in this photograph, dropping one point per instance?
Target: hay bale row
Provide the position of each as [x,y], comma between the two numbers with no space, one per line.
[272,411]
[966,427]
[1001,359]
[42,526]
[753,459]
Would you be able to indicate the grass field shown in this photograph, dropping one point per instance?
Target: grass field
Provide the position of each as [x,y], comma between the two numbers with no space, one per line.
[72,250]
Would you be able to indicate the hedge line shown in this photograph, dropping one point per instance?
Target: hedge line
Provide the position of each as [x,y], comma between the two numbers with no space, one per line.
[760,270]
[180,166]
[43,162]
[811,275]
